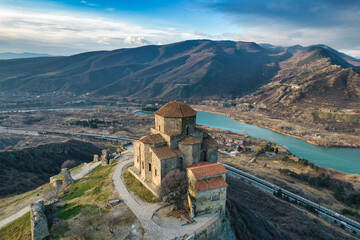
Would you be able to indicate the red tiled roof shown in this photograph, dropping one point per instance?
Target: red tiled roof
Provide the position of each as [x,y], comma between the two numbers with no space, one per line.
[172,134]
[210,183]
[209,142]
[176,109]
[200,129]
[199,164]
[189,140]
[164,152]
[152,139]
[206,169]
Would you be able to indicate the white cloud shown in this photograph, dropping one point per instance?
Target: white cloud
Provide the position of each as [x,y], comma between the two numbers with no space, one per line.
[76,32]
[87,3]
[351,52]
[135,40]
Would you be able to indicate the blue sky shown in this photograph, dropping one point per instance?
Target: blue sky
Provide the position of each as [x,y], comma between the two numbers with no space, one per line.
[64,27]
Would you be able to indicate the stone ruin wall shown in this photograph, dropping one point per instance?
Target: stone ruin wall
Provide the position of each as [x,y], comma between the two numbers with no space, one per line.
[39,224]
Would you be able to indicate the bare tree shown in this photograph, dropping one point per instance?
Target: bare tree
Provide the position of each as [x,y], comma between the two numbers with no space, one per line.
[68,164]
[174,188]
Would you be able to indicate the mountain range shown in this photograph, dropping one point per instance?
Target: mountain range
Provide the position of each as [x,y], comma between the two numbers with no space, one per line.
[11,55]
[194,69]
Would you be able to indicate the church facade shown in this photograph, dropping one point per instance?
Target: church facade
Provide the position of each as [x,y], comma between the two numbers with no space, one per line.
[175,142]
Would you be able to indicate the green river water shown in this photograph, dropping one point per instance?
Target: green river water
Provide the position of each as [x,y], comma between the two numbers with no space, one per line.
[342,159]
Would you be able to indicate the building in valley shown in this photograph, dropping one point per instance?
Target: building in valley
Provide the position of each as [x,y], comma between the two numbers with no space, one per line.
[175,142]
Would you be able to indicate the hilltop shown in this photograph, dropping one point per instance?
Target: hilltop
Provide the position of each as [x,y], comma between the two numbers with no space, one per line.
[194,69]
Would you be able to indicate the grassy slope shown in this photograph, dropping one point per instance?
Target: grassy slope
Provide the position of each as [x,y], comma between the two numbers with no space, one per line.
[17,230]
[138,188]
[79,212]
[82,201]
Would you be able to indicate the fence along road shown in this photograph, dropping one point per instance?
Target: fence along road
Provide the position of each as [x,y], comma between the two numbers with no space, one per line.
[324,212]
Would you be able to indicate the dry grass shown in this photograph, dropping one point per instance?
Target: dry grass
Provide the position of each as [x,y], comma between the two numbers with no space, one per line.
[84,213]
[138,188]
[18,230]
[10,205]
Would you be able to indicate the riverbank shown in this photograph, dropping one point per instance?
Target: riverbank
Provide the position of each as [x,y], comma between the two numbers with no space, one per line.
[312,136]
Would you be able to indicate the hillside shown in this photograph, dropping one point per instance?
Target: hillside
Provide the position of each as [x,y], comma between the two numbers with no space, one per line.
[194,69]
[190,69]
[313,87]
[25,169]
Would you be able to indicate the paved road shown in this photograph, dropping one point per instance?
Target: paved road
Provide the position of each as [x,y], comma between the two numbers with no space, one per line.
[77,175]
[144,211]
[69,134]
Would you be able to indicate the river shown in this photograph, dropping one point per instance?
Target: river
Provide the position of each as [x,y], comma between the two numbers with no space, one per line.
[342,159]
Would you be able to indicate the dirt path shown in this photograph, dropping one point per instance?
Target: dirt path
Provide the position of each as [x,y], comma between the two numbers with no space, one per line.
[77,175]
[145,211]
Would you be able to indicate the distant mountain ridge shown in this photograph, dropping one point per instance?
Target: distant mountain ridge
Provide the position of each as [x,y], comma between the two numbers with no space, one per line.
[194,69]
[11,55]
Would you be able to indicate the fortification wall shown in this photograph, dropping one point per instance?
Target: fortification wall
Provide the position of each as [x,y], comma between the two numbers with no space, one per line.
[218,228]
[39,224]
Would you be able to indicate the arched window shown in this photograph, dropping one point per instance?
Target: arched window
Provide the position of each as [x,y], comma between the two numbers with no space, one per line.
[203,157]
[187,129]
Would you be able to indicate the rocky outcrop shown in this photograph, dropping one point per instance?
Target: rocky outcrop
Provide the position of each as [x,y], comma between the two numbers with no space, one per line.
[67,179]
[39,224]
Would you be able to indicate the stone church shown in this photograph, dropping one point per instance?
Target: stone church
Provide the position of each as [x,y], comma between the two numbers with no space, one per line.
[175,142]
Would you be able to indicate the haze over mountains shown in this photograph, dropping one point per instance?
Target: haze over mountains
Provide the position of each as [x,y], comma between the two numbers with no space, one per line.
[193,69]
[11,55]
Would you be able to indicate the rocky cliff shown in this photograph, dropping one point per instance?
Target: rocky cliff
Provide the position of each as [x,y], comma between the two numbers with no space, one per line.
[255,215]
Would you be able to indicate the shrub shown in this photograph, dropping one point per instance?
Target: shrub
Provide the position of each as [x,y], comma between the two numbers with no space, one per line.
[346,211]
[68,164]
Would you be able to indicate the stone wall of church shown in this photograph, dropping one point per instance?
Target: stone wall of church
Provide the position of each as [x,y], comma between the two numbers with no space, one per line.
[192,184]
[184,125]
[211,201]
[191,154]
[142,159]
[137,153]
[172,141]
[167,124]
[209,155]
[169,165]
[188,125]
[156,171]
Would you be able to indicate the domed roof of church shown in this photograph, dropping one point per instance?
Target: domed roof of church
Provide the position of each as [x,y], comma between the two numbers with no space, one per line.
[176,109]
